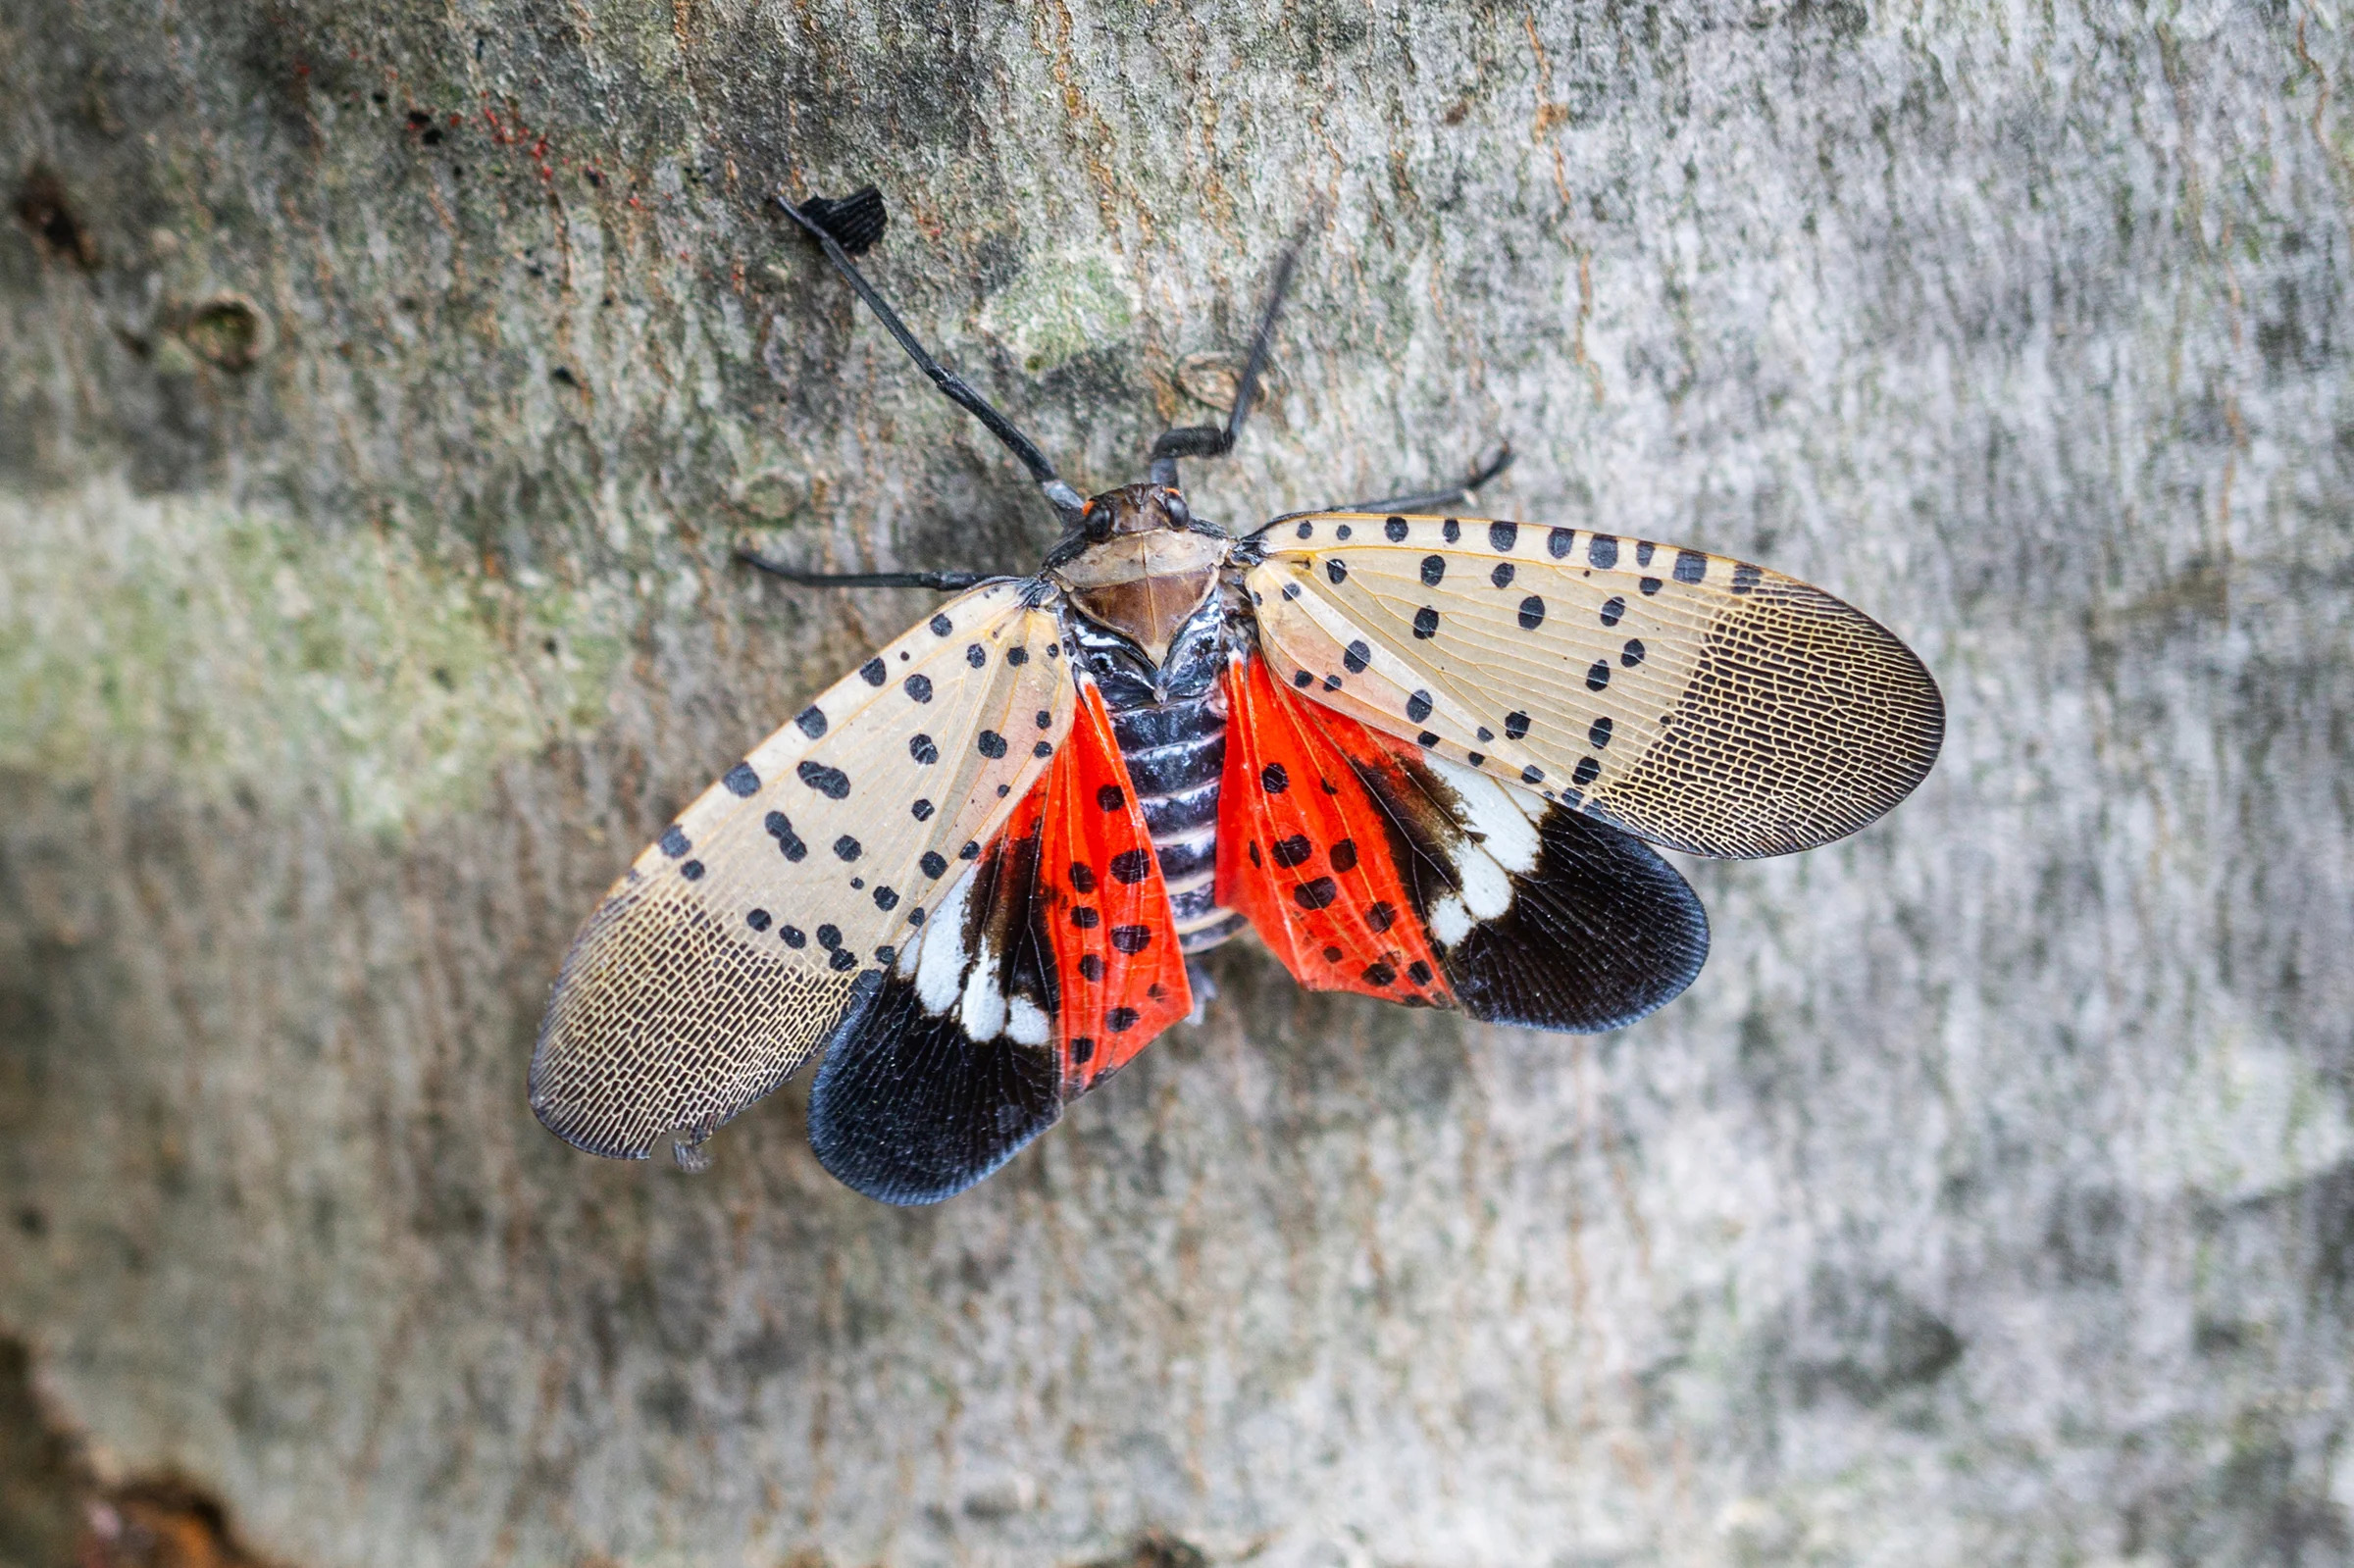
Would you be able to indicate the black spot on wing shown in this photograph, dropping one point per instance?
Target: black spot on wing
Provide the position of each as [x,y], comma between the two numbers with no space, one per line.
[1501,537]
[780,827]
[1394,530]
[831,783]
[742,780]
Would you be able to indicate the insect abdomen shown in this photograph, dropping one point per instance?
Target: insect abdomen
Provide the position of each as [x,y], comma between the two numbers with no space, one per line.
[1175,752]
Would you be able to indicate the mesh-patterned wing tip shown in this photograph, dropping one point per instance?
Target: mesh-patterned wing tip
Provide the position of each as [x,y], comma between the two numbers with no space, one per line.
[660,1023]
[1798,691]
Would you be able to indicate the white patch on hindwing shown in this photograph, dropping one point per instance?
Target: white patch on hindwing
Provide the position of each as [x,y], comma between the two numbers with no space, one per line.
[1498,842]
[1026,1022]
[1489,811]
[1450,923]
[982,1014]
[938,962]
[968,982]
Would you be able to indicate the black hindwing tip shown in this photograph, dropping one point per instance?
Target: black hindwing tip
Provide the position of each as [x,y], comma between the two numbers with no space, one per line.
[909,1110]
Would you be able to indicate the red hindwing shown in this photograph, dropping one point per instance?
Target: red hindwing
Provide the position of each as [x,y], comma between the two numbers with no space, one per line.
[1118,973]
[1305,851]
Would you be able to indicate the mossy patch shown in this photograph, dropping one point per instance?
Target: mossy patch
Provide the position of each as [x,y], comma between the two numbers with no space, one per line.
[182,643]
[1060,307]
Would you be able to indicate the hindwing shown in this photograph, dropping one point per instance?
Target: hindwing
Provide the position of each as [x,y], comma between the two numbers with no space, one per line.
[1050,963]
[1305,851]
[1700,702]
[1529,913]
[735,944]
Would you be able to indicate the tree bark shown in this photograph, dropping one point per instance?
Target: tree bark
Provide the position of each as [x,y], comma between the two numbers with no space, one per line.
[387,386]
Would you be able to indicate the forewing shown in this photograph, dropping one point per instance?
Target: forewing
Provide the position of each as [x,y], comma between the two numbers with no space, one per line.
[1531,913]
[1307,853]
[1050,963]
[1700,702]
[730,949]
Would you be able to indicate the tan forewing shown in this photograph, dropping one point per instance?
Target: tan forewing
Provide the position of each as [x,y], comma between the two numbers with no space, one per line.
[1699,702]
[728,950]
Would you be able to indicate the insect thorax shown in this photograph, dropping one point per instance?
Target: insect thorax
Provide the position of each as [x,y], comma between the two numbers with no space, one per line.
[1152,616]
[1141,566]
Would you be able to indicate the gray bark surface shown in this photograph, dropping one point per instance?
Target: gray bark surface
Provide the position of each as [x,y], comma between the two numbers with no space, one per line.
[382,389]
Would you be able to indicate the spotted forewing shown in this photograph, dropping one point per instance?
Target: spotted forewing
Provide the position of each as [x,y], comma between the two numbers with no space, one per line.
[728,950]
[1699,702]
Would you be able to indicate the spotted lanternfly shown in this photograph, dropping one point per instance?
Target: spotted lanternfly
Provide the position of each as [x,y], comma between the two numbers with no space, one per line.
[1423,756]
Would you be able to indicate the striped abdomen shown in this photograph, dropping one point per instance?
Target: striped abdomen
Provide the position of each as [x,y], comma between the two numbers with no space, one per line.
[1175,751]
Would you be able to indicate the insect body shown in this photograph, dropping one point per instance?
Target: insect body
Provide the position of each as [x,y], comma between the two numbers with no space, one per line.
[1423,757]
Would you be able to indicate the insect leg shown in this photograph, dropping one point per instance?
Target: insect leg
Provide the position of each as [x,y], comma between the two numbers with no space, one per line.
[954,580]
[1204,989]
[1211,440]
[1464,489]
[1061,496]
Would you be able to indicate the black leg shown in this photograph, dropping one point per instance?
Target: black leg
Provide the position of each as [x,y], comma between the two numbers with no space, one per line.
[1065,500]
[870,580]
[1432,500]
[1210,440]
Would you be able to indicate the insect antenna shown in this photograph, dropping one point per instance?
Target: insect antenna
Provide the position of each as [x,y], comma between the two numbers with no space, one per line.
[1463,489]
[952,580]
[856,221]
[1211,441]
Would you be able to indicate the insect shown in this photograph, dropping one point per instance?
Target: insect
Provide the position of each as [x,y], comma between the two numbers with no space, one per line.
[1423,756]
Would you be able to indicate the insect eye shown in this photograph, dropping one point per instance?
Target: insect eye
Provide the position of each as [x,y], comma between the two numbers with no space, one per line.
[1095,523]
[1180,515]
